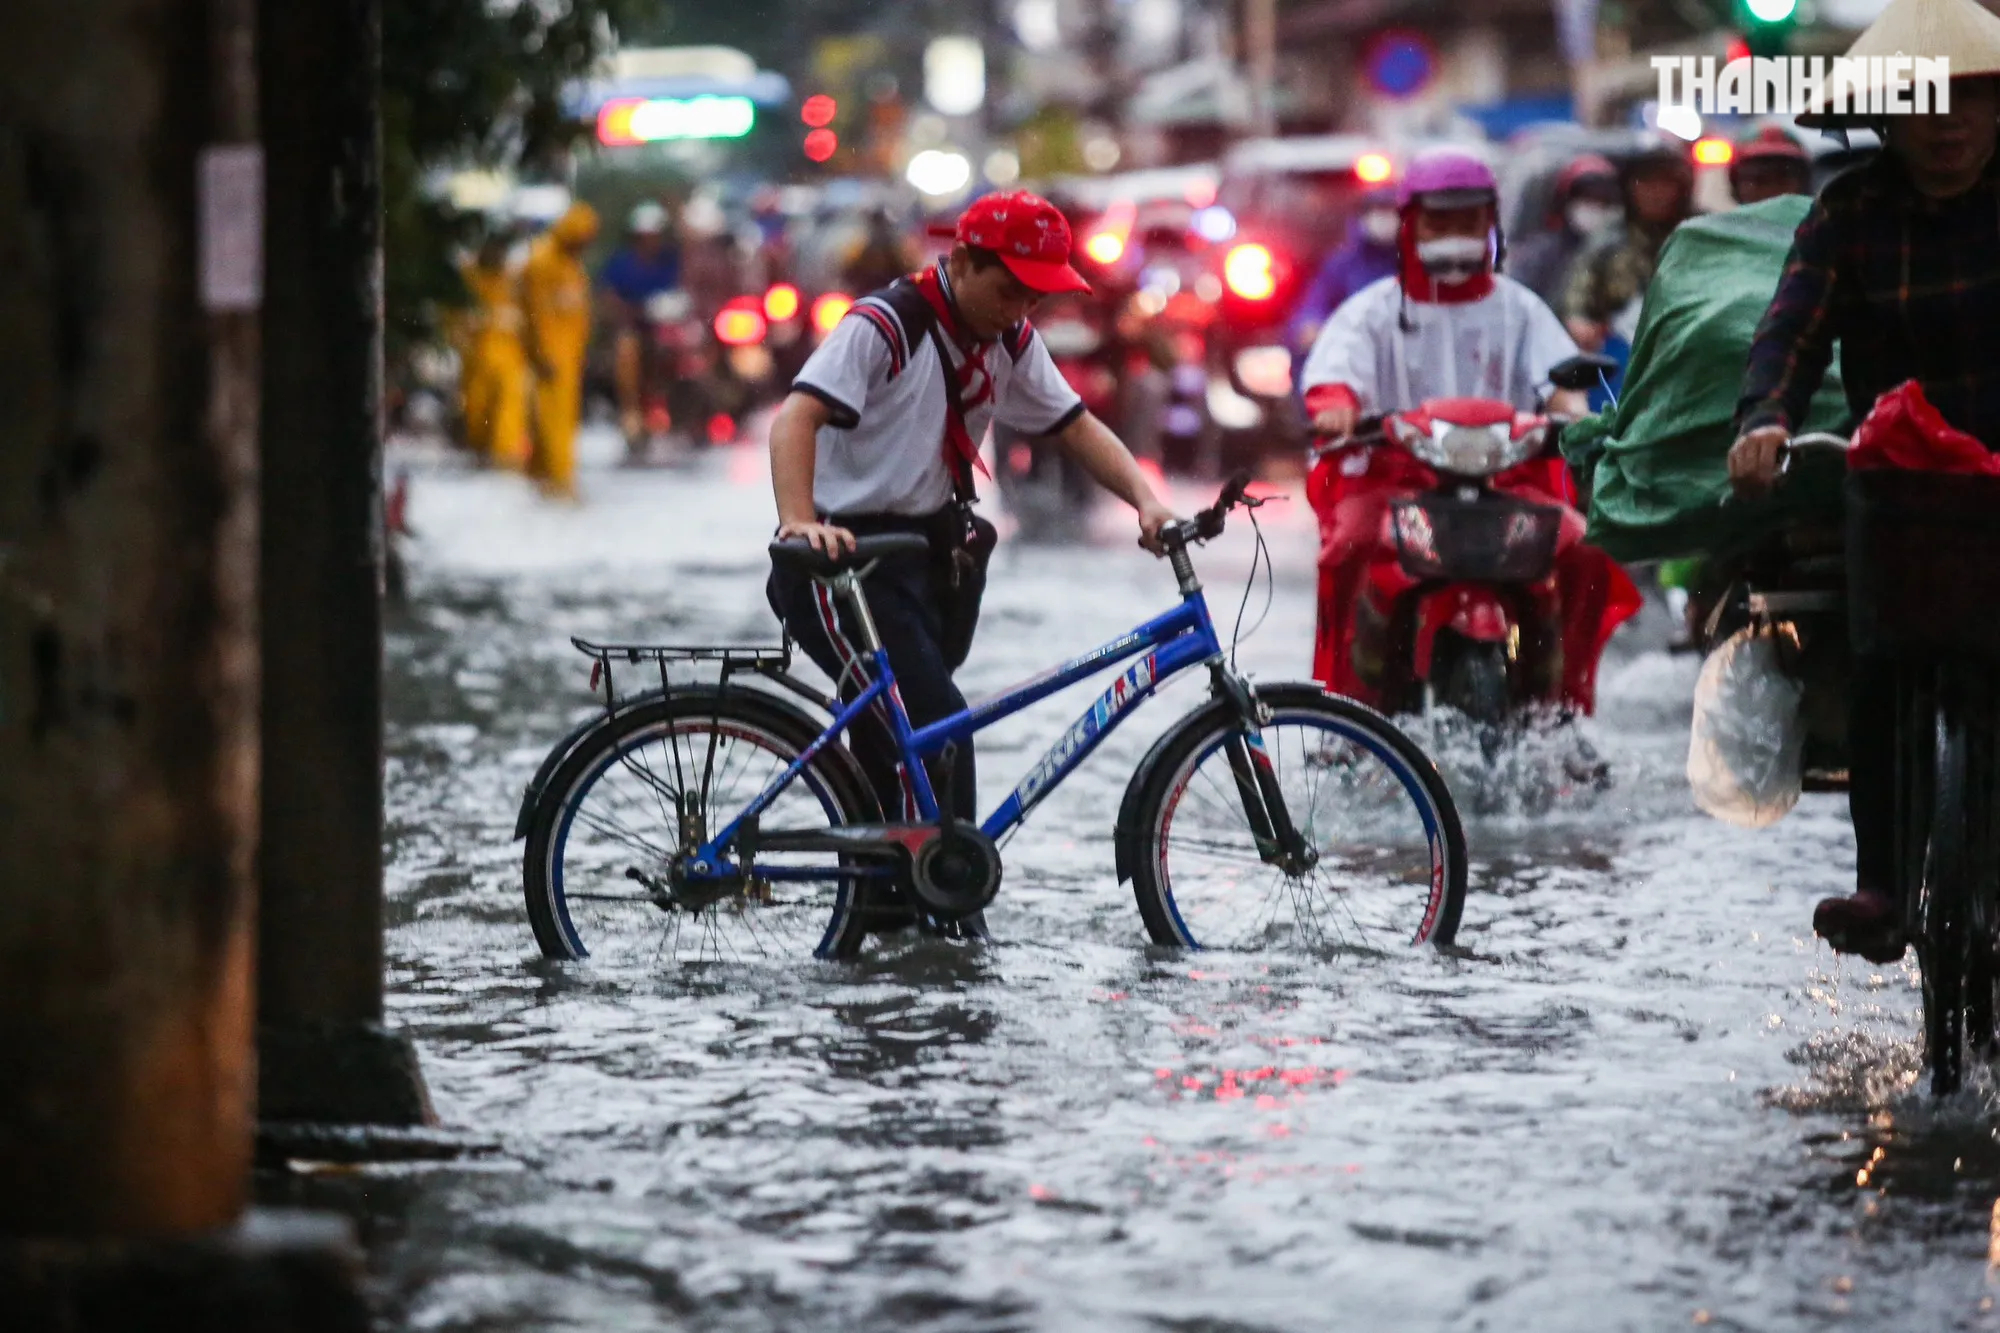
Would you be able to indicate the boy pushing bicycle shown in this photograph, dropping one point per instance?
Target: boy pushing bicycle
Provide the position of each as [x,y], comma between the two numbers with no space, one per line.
[881,434]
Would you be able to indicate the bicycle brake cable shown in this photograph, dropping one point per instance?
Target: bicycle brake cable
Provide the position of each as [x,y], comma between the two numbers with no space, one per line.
[1260,551]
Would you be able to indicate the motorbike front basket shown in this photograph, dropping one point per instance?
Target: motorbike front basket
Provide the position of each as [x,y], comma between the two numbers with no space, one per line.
[1923,564]
[1491,539]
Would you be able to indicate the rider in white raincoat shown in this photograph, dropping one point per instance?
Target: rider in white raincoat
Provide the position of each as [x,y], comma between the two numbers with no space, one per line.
[1446,326]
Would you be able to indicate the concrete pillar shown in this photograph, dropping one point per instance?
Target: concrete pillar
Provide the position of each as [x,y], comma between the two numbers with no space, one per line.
[128,704]
[325,1054]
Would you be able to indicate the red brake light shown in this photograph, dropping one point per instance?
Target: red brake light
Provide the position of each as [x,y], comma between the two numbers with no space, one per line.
[614,122]
[1248,269]
[740,323]
[781,303]
[830,309]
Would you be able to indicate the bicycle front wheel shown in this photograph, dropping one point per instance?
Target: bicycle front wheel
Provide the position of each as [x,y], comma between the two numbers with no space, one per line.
[1387,865]
[1954,919]
[659,780]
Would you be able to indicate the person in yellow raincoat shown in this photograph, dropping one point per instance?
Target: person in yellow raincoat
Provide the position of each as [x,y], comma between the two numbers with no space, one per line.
[555,294]
[493,383]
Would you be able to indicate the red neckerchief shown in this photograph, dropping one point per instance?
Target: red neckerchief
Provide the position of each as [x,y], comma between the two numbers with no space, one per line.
[975,382]
[1417,282]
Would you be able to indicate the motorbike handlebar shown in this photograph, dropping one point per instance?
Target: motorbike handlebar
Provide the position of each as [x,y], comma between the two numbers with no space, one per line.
[1373,430]
[1367,430]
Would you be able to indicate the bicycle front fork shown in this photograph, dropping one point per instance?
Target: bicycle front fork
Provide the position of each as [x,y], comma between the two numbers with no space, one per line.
[1278,840]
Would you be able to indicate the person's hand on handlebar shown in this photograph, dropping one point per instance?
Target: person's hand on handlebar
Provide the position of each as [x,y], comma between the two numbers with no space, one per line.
[1152,517]
[1756,459]
[1336,420]
[826,537]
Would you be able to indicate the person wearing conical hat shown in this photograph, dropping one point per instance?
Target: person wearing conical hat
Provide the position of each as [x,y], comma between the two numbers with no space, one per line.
[1899,262]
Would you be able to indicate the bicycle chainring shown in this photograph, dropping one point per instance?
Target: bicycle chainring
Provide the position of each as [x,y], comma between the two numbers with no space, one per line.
[956,874]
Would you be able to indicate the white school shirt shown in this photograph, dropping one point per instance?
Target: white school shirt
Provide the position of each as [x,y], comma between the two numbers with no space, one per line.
[1498,347]
[882,451]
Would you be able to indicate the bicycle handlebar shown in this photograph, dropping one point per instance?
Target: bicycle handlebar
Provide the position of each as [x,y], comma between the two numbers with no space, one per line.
[1208,523]
[1818,441]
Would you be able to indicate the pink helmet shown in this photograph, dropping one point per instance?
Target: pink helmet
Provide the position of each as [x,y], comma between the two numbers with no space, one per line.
[1447,178]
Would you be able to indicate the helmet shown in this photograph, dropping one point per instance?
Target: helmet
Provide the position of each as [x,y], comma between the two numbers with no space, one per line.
[577,226]
[1585,169]
[1441,178]
[1654,153]
[1447,178]
[703,217]
[1770,144]
[648,219]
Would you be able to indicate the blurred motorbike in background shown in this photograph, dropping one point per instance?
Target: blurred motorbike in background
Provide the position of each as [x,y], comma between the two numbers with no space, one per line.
[1045,491]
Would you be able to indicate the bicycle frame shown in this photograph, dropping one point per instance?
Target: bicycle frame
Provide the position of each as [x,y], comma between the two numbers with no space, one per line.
[1165,645]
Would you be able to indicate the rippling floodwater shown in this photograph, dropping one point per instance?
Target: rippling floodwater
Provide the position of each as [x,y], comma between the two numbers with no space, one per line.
[1644,1098]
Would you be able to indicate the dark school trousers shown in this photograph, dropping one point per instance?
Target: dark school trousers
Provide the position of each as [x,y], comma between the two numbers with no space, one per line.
[1871,772]
[902,599]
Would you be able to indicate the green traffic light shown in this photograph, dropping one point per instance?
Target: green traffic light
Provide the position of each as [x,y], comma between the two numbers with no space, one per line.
[1772,11]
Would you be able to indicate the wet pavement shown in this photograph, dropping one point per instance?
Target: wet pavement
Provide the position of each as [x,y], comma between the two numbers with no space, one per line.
[1642,1098]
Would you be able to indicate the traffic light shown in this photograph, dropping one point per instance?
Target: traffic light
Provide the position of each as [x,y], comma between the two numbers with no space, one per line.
[818,111]
[1766,25]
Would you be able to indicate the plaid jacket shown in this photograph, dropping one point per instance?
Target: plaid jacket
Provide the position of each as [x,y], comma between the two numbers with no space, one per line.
[1910,288]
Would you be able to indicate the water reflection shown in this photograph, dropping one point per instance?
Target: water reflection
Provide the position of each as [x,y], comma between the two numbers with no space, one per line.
[1587,1119]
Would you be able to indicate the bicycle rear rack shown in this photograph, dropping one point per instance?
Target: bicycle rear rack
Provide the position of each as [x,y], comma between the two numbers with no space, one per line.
[773,660]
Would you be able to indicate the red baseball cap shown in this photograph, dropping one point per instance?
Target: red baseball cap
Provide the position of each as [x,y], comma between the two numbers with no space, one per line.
[1030,235]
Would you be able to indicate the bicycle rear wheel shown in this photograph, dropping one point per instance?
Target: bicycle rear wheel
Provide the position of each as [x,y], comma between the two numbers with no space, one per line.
[1390,865]
[660,779]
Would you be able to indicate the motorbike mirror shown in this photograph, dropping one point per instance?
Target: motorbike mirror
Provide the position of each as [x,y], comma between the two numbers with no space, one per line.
[1583,371]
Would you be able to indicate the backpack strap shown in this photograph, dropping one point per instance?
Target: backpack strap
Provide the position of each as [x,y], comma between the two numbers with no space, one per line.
[915,319]
[902,316]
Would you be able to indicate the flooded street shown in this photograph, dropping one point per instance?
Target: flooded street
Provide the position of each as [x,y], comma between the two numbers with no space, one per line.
[1643,1097]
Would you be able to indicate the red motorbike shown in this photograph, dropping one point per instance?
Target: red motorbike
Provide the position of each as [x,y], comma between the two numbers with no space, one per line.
[1453,569]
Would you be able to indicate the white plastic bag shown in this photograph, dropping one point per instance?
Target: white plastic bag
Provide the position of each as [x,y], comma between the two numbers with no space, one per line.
[1744,749]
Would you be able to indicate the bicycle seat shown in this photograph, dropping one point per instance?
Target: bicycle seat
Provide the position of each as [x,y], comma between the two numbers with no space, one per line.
[798,553]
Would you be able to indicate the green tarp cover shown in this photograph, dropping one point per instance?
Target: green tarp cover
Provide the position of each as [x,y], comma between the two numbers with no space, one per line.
[1657,465]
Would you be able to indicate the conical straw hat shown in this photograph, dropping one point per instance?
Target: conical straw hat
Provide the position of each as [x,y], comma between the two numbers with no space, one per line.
[1962,31]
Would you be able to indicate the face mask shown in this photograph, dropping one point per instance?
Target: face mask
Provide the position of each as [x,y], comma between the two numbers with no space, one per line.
[1453,258]
[1586,216]
[1380,226]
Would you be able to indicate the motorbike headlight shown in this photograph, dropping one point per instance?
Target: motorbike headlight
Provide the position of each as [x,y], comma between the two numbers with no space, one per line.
[1069,338]
[1265,371]
[668,307]
[1469,451]
[750,363]
[1230,409]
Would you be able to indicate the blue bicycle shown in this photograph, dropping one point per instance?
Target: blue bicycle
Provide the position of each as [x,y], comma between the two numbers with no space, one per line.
[723,820]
